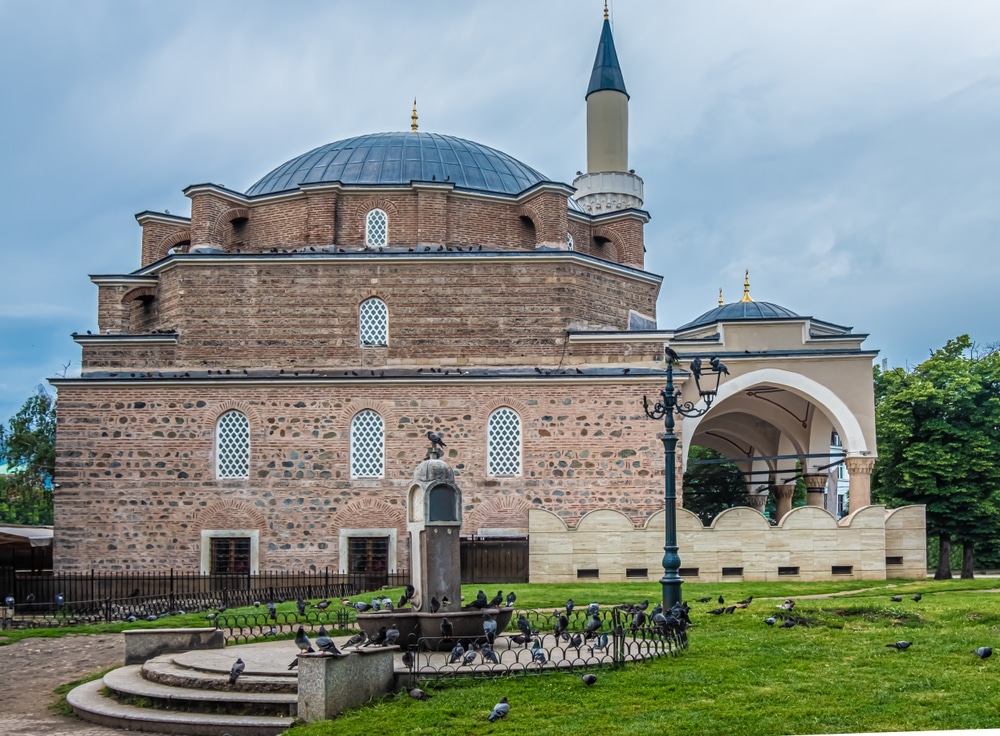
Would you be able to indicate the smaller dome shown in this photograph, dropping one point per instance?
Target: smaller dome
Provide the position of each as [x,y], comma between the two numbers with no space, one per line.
[741,310]
[434,471]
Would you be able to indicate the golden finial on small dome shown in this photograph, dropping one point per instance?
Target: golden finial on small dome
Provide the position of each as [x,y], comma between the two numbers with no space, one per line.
[720,296]
[746,287]
[605,9]
[413,117]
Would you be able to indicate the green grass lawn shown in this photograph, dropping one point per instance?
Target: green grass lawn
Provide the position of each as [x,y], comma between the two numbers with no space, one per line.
[832,673]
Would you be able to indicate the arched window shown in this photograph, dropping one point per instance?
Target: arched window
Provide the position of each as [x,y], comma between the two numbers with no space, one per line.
[503,443]
[376,229]
[232,446]
[569,241]
[367,445]
[373,323]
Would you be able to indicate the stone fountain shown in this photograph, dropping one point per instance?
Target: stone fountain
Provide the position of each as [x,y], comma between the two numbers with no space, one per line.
[434,522]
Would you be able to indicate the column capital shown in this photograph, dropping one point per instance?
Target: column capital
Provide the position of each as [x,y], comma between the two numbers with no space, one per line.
[859,465]
[816,481]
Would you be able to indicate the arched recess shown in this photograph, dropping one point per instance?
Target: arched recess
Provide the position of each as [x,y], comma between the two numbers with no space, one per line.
[836,410]
[370,518]
[139,305]
[500,515]
[178,242]
[614,248]
[235,216]
[229,532]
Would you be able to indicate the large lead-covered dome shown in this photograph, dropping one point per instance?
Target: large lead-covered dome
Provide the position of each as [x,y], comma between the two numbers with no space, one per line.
[399,158]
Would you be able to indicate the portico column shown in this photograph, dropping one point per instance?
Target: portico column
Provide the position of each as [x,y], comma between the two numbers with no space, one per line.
[859,493]
[816,487]
[783,499]
[757,500]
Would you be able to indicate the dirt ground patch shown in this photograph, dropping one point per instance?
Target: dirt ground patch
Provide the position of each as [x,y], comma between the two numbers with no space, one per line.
[34,667]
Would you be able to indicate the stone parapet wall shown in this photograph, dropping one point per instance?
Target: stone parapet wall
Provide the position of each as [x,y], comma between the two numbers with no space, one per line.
[808,544]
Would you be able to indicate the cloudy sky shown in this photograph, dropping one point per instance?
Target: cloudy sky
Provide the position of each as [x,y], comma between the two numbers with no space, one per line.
[846,152]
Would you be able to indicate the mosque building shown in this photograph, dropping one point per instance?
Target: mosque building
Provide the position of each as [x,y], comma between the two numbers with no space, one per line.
[260,389]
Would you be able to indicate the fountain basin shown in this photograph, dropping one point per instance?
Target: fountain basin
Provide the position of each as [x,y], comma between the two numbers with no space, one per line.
[425,628]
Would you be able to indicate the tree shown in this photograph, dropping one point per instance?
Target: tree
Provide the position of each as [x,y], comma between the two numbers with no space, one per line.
[938,430]
[713,487]
[28,448]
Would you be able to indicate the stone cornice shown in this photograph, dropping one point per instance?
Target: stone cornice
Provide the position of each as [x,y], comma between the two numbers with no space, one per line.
[118,339]
[128,280]
[164,218]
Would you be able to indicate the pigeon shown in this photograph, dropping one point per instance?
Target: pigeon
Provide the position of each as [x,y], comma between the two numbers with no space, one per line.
[671,354]
[378,638]
[569,607]
[272,611]
[236,671]
[131,619]
[896,598]
[500,710]
[593,609]
[256,604]
[696,369]
[602,643]
[391,636]
[376,604]
[917,597]
[489,655]
[302,641]
[497,599]
[435,605]
[770,620]
[788,605]
[900,645]
[593,624]
[589,679]
[407,659]
[470,657]
[357,640]
[480,602]
[436,440]
[562,623]
[523,626]
[489,628]
[151,617]
[638,620]
[706,599]
[511,597]
[576,642]
[60,600]
[983,652]
[457,652]
[721,600]
[789,623]
[538,654]
[9,600]
[387,605]
[325,643]
[717,611]
[644,605]
[446,629]
[273,631]
[301,604]
[718,366]
[294,664]
[418,694]
[322,605]
[745,602]
[730,609]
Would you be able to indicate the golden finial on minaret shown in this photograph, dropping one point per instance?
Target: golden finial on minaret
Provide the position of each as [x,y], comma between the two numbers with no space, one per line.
[605,9]
[746,287]
[720,296]
[413,117]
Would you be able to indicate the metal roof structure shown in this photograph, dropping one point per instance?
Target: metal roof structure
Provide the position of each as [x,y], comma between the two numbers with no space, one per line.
[742,310]
[400,158]
[607,73]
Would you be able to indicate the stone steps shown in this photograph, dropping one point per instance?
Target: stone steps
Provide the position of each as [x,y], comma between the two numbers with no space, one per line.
[174,671]
[89,703]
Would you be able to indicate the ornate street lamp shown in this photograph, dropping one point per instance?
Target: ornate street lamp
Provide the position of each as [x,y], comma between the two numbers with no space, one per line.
[664,409]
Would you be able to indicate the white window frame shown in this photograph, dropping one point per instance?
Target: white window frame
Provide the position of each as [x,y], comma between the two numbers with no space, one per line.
[206,546]
[491,462]
[219,450]
[345,534]
[355,446]
[371,226]
[373,323]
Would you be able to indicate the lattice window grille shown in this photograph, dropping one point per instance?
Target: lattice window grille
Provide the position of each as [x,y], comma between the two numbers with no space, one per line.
[504,443]
[232,445]
[367,445]
[373,324]
[569,241]
[376,229]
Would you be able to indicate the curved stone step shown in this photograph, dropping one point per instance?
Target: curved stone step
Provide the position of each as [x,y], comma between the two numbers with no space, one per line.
[164,670]
[129,681]
[91,705]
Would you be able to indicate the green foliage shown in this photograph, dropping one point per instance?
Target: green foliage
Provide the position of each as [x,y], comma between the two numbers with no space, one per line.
[28,448]
[938,429]
[711,489]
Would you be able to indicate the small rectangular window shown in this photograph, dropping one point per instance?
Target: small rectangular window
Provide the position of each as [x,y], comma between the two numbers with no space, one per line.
[637,572]
[230,555]
[692,572]
[732,571]
[894,560]
[788,570]
[588,573]
[842,570]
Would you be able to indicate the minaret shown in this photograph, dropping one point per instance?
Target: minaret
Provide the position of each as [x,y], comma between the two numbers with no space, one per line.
[608,185]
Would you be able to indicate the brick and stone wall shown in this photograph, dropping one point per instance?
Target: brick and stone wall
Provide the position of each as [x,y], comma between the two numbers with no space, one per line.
[136,463]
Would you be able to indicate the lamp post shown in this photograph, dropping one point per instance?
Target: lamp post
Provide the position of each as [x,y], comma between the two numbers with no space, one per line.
[664,409]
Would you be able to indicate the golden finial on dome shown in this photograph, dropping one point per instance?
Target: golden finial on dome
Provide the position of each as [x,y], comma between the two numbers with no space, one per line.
[413,117]
[720,296]
[605,9]
[746,287]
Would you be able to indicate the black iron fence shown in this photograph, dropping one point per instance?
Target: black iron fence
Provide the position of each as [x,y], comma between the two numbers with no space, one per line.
[44,600]
[492,560]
